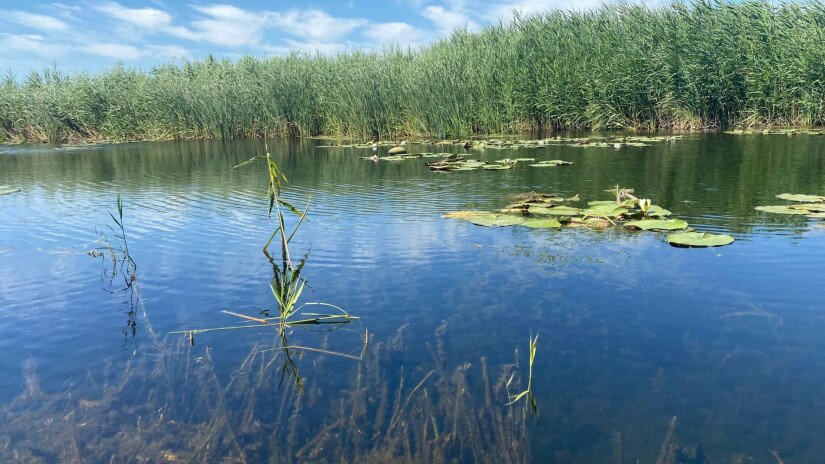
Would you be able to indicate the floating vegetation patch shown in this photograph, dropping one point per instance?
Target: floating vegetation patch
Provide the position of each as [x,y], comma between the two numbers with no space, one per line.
[699,239]
[812,206]
[551,163]
[775,131]
[801,198]
[657,224]
[549,211]
[6,190]
[595,141]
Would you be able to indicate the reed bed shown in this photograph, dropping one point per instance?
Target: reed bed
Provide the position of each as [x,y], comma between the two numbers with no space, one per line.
[701,64]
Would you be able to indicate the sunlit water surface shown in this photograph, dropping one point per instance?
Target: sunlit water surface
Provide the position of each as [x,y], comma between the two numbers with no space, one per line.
[631,331]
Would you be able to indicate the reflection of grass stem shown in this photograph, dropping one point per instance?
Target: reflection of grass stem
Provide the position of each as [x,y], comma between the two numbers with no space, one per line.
[287,284]
[528,393]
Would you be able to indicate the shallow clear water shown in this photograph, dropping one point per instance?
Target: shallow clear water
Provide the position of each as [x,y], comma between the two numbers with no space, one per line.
[632,331]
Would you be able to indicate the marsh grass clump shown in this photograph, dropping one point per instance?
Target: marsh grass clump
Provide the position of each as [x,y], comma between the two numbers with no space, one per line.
[681,65]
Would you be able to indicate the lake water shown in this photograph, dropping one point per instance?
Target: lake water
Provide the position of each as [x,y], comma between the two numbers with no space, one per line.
[632,332]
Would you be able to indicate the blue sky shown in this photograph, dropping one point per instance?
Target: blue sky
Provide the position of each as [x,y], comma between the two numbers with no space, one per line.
[90,35]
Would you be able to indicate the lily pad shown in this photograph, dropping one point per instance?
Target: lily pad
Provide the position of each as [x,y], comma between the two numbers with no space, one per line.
[781,209]
[496,167]
[625,203]
[551,163]
[801,198]
[812,207]
[817,216]
[486,218]
[545,223]
[555,211]
[397,151]
[698,239]
[6,190]
[496,220]
[608,210]
[657,211]
[657,224]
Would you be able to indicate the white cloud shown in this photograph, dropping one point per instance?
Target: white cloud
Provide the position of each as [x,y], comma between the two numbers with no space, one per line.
[34,44]
[229,26]
[38,21]
[316,24]
[146,18]
[113,50]
[397,32]
[447,20]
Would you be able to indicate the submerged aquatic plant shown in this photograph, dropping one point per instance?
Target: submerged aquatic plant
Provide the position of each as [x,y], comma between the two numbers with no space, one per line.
[528,395]
[165,404]
[287,283]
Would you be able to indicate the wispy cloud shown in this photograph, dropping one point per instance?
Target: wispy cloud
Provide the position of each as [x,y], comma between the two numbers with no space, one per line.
[393,33]
[447,20]
[146,18]
[229,26]
[26,43]
[38,21]
[315,24]
[113,50]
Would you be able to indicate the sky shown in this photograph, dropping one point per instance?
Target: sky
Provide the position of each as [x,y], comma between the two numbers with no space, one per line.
[77,35]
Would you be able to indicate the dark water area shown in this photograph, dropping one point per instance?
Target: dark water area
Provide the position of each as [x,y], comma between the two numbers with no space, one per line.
[632,332]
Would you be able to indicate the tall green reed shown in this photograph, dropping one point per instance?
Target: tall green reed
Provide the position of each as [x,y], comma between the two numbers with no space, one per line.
[681,65]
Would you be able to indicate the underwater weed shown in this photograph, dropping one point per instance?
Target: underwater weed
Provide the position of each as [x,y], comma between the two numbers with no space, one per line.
[528,394]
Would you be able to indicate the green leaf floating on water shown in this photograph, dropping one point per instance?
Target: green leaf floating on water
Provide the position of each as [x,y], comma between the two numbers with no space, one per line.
[6,190]
[551,163]
[657,224]
[698,239]
[625,203]
[555,211]
[781,209]
[486,218]
[812,207]
[496,167]
[817,216]
[657,211]
[801,198]
[546,223]
[495,220]
[608,210]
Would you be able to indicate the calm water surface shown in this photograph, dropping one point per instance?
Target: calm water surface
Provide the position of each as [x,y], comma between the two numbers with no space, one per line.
[632,331]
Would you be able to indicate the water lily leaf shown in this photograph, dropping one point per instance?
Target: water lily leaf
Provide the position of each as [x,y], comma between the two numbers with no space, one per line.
[657,224]
[801,198]
[496,220]
[397,151]
[591,223]
[486,218]
[625,203]
[781,209]
[817,216]
[545,223]
[496,167]
[6,190]
[555,211]
[657,211]
[608,210]
[698,239]
[812,207]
